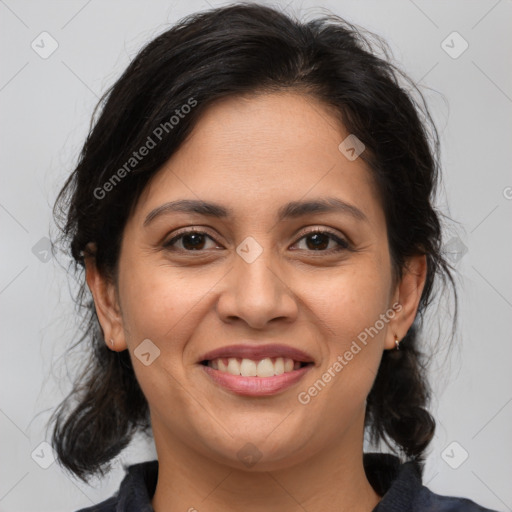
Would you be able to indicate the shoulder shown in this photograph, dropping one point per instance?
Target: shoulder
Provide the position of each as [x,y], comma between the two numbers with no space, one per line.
[135,492]
[109,505]
[428,501]
[400,486]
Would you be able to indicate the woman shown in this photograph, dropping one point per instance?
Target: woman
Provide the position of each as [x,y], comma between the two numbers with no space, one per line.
[253,209]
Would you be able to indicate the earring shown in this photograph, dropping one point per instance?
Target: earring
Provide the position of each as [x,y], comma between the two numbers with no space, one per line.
[112,343]
[397,342]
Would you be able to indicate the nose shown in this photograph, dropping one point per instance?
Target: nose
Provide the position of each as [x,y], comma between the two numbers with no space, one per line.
[256,294]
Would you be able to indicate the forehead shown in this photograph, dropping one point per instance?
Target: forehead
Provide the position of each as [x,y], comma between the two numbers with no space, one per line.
[255,153]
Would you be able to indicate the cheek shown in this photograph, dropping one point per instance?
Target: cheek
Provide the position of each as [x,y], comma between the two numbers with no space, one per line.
[161,302]
[165,305]
[351,300]
[350,308]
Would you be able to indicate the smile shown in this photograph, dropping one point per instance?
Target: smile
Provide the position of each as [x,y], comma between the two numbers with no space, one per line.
[267,367]
[248,377]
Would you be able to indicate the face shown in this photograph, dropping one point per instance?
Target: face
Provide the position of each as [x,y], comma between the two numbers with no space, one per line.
[291,256]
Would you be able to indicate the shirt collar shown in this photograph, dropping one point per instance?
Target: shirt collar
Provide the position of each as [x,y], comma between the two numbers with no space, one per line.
[397,483]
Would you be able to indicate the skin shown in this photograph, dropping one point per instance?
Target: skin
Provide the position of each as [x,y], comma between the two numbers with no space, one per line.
[253,155]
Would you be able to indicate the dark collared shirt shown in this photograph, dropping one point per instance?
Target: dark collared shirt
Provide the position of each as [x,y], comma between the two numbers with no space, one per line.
[399,485]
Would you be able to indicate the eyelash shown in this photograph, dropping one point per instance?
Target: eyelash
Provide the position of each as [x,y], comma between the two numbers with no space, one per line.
[343,244]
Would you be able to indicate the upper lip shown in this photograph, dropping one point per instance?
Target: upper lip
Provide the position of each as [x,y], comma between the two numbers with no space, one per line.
[257,352]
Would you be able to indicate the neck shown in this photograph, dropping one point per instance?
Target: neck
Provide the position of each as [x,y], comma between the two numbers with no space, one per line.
[331,480]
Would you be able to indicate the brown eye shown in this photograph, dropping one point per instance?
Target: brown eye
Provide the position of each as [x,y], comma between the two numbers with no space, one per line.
[190,241]
[318,241]
[323,241]
[193,241]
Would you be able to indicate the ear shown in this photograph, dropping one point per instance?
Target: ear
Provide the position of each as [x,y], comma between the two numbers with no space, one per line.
[107,306]
[407,298]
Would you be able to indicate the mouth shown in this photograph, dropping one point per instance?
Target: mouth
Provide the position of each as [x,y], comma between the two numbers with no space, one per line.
[262,385]
[261,368]
[256,370]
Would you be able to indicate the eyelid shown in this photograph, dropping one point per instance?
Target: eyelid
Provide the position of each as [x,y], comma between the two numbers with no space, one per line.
[187,231]
[342,241]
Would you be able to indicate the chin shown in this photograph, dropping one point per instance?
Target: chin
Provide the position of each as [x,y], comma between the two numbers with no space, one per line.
[259,451]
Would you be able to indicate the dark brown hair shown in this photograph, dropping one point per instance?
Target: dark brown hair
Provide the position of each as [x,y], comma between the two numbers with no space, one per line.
[234,50]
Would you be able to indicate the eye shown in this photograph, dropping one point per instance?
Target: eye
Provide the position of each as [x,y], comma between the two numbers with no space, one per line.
[191,240]
[323,241]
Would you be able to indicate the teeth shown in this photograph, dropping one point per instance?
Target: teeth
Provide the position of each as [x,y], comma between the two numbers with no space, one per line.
[249,368]
[265,368]
[222,366]
[279,366]
[233,366]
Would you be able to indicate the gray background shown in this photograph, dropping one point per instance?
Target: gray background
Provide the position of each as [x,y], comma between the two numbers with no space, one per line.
[46,106]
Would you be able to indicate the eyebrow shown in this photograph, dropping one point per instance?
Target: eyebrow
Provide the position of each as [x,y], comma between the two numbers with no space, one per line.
[189,206]
[296,209]
[291,210]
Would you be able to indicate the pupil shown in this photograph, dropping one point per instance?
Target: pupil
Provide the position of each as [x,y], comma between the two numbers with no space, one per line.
[193,241]
[320,241]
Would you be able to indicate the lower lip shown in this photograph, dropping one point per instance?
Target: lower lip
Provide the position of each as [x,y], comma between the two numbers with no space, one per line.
[256,386]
